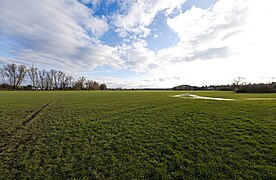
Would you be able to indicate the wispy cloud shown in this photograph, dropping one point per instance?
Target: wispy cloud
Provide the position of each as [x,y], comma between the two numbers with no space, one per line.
[60,32]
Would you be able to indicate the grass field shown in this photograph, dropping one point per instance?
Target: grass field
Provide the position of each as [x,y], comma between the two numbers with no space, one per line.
[136,134]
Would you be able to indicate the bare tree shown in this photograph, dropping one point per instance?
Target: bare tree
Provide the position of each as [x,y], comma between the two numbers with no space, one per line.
[49,82]
[95,86]
[33,75]
[53,77]
[238,81]
[79,84]
[60,78]
[42,77]
[66,81]
[9,72]
[14,74]
[89,84]
[70,81]
[21,72]
[2,75]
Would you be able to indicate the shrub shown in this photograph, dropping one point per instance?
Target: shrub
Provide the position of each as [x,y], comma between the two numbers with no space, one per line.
[255,88]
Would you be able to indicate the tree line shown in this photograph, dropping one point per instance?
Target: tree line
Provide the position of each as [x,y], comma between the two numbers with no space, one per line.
[238,86]
[13,75]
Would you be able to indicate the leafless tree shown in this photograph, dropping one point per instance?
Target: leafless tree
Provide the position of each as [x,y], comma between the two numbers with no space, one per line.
[65,81]
[42,77]
[53,79]
[70,81]
[60,79]
[238,81]
[9,72]
[49,82]
[21,72]
[33,75]
[2,76]
[95,86]
[79,84]
[89,84]
[14,74]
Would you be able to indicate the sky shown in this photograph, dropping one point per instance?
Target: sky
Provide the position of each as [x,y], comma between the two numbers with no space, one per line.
[143,43]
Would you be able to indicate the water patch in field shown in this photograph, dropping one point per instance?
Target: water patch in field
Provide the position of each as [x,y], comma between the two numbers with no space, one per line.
[202,97]
[264,99]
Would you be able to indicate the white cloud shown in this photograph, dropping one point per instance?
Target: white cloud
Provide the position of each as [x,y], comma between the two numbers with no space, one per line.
[137,57]
[205,34]
[94,2]
[216,45]
[57,32]
[140,14]
[130,82]
[232,38]
[155,36]
[6,61]
[95,25]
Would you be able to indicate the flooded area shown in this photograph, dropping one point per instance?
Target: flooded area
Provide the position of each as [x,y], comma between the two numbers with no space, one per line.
[202,97]
[192,96]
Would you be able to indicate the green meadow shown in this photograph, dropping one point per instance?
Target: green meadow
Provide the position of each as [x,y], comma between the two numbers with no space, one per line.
[137,135]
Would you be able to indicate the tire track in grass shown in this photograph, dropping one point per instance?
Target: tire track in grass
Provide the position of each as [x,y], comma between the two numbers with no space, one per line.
[35,114]
[9,151]
[18,141]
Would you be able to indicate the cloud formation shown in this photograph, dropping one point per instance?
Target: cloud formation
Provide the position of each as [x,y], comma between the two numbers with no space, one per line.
[68,34]
[204,33]
[140,15]
[60,32]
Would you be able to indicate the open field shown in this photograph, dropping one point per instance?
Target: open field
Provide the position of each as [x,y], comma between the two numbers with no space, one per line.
[137,134]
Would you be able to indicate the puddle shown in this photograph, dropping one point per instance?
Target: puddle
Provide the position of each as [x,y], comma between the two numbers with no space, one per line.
[266,99]
[221,99]
[202,97]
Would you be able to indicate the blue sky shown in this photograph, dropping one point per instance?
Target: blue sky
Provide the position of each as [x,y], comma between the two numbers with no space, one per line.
[142,43]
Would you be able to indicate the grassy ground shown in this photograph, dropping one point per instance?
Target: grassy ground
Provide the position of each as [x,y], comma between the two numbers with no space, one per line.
[136,134]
